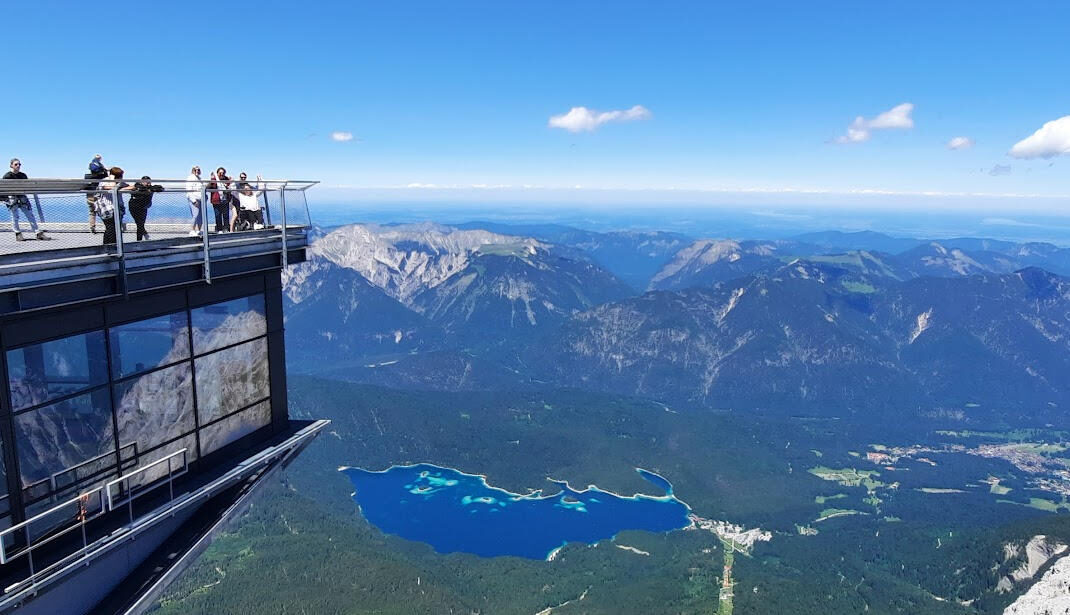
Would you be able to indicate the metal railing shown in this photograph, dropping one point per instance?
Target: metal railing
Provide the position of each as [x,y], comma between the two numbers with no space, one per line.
[133,491]
[54,483]
[81,513]
[66,213]
[75,513]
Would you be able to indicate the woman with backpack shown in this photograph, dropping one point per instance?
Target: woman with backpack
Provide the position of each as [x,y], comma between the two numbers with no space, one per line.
[107,209]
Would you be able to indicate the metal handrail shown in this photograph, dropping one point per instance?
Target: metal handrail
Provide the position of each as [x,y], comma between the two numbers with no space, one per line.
[131,495]
[63,185]
[277,195]
[52,480]
[83,517]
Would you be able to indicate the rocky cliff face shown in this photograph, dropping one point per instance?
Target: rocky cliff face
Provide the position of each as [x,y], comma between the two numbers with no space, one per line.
[1050,595]
[515,293]
[371,291]
[707,262]
[334,314]
[407,259]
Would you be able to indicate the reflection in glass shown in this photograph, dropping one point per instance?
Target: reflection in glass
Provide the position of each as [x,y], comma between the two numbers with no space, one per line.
[229,322]
[58,438]
[41,372]
[218,435]
[160,470]
[68,514]
[146,344]
[155,407]
[231,379]
[5,502]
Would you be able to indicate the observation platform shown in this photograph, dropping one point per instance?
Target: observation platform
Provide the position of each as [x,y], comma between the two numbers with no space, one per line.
[142,381]
[74,263]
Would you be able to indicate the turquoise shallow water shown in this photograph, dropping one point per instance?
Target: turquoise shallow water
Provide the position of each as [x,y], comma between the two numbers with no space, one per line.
[457,512]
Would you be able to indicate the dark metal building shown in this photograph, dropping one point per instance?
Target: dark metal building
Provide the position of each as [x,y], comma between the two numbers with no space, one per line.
[142,402]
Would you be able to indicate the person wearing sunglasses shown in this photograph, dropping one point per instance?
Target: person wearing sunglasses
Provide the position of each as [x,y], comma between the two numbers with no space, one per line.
[17,203]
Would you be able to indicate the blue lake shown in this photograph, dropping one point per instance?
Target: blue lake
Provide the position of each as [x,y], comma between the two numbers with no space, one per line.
[453,511]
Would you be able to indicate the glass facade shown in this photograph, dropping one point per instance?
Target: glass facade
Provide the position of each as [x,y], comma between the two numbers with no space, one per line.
[230,379]
[42,372]
[147,344]
[89,407]
[227,323]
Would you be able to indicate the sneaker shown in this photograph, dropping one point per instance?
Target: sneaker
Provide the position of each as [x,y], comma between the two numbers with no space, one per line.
[257,227]
[92,230]
[146,237]
[194,233]
[19,237]
[41,235]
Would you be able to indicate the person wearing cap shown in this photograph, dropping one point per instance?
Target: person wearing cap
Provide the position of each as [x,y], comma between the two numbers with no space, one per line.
[140,202]
[97,171]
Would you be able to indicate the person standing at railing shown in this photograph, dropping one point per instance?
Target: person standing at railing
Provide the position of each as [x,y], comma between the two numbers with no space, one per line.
[97,171]
[195,196]
[140,202]
[110,212]
[20,203]
[220,198]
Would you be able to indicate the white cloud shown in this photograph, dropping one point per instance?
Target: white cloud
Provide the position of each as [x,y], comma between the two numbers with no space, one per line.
[582,119]
[861,128]
[1051,140]
[960,143]
[341,136]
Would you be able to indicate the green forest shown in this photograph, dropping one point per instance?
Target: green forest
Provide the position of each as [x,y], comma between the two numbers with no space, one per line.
[305,548]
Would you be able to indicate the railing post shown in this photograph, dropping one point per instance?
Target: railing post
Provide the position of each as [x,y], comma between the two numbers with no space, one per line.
[282,201]
[204,234]
[170,483]
[129,501]
[40,212]
[29,555]
[117,221]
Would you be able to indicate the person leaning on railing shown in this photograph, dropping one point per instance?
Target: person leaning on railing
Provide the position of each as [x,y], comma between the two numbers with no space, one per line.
[20,203]
[140,202]
[195,196]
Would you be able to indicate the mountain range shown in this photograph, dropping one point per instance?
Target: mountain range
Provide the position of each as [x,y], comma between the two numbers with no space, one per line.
[956,329]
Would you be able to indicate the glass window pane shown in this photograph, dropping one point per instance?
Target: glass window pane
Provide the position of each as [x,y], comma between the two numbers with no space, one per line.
[160,470]
[229,322]
[218,435]
[147,344]
[155,407]
[65,437]
[231,379]
[45,371]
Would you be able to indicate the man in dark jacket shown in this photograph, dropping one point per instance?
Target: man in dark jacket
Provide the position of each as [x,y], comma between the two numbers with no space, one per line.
[140,202]
[20,203]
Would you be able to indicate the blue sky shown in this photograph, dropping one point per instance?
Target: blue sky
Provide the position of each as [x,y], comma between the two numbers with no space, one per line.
[738,103]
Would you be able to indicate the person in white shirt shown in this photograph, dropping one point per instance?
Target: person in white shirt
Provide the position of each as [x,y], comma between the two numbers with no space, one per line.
[249,202]
[195,196]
